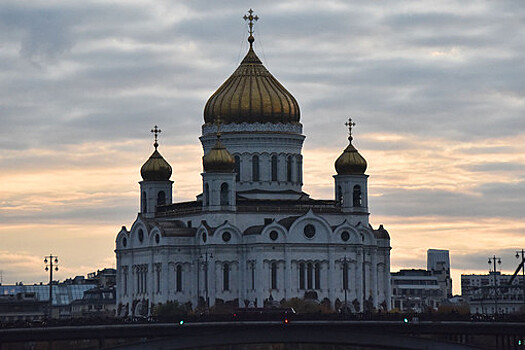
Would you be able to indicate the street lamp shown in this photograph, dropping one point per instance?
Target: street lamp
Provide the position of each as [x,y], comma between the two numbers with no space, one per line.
[51,262]
[492,261]
[205,266]
[522,270]
[344,267]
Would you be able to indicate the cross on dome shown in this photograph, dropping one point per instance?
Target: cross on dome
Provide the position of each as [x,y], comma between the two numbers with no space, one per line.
[350,124]
[156,131]
[251,18]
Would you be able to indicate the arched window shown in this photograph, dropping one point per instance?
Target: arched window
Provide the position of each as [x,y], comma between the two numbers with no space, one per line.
[274,275]
[309,275]
[289,169]
[255,168]
[206,195]
[161,198]
[144,202]
[237,168]
[301,275]
[274,168]
[357,196]
[317,277]
[179,278]
[226,277]
[339,196]
[224,194]
[345,275]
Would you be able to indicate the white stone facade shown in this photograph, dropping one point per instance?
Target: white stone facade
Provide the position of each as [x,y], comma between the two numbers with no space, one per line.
[263,240]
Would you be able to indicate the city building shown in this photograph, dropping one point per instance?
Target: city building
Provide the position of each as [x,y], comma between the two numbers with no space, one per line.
[494,293]
[19,299]
[438,263]
[96,302]
[22,306]
[415,290]
[253,235]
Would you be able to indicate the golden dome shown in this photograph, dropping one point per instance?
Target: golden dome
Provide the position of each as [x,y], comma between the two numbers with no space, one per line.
[218,159]
[252,95]
[350,162]
[156,167]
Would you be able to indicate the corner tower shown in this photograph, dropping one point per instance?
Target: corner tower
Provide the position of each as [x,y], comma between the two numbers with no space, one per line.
[260,127]
[156,186]
[351,182]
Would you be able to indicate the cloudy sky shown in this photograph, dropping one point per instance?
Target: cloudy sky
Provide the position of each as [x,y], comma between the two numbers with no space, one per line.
[436,90]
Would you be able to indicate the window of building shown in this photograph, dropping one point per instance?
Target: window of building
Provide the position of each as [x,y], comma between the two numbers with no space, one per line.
[255,168]
[301,275]
[345,275]
[274,276]
[357,196]
[179,278]
[144,202]
[161,198]
[237,168]
[274,168]
[226,277]
[309,275]
[317,276]
[224,194]
[289,169]
[157,277]
[339,196]
[206,195]
[299,169]
[253,275]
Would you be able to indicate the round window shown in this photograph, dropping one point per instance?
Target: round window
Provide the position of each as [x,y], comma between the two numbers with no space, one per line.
[157,238]
[124,242]
[141,235]
[204,237]
[345,236]
[274,235]
[226,236]
[309,231]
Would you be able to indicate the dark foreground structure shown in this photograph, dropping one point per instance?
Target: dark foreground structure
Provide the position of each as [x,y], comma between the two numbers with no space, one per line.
[238,335]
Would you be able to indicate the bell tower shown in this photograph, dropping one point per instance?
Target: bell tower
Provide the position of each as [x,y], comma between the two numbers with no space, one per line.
[156,186]
[351,182]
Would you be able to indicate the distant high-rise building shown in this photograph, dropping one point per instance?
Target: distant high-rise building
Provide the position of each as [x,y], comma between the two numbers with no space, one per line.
[438,263]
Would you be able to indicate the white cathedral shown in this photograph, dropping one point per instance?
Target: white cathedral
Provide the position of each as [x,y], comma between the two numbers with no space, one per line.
[253,237]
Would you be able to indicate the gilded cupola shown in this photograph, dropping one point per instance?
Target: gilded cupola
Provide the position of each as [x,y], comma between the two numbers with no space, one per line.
[350,162]
[251,94]
[218,159]
[156,167]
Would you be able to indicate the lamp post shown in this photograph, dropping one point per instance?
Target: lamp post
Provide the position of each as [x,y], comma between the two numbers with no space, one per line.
[522,270]
[344,267]
[51,262]
[205,266]
[492,261]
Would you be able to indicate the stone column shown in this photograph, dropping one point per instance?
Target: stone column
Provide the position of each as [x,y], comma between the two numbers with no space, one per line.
[213,269]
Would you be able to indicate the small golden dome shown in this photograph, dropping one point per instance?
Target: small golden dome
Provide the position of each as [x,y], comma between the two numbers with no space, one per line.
[218,159]
[156,167]
[252,95]
[350,162]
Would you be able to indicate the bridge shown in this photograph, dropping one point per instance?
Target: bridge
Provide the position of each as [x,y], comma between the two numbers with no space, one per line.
[370,334]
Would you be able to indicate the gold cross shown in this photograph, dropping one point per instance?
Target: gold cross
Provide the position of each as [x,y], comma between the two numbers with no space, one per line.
[250,17]
[156,131]
[350,124]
